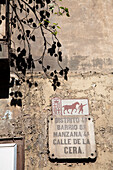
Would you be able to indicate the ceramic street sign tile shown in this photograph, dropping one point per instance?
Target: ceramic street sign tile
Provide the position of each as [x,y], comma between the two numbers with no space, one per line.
[71,137]
[70,106]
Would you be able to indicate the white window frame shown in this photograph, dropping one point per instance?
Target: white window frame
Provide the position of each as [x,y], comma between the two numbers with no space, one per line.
[8,156]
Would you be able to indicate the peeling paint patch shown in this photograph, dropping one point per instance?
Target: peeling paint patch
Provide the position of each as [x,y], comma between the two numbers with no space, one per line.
[7,115]
[75,61]
[98,63]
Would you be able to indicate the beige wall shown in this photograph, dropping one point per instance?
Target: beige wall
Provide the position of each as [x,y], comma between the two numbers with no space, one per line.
[31,120]
[86,36]
[87,39]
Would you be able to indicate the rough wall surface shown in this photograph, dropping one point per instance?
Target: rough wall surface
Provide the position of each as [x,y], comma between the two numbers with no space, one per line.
[87,35]
[87,38]
[31,120]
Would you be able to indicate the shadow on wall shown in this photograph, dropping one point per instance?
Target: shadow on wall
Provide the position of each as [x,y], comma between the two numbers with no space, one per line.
[73,160]
[75,61]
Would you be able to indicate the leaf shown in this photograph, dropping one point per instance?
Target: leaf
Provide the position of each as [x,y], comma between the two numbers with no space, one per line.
[61,72]
[33,38]
[61,7]
[33,8]
[48,1]
[58,27]
[30,1]
[18,83]
[13,55]
[21,5]
[48,67]
[66,9]
[47,21]
[16,94]
[65,77]
[21,10]
[23,52]
[55,23]
[20,94]
[56,77]
[42,4]
[19,37]
[34,25]
[12,93]
[51,7]
[36,84]
[13,102]
[54,87]
[60,13]
[3,17]
[37,7]
[40,62]
[37,1]
[55,55]
[55,71]
[19,102]
[27,32]
[53,27]
[60,56]
[23,37]
[58,84]
[55,33]
[51,74]
[31,20]
[47,14]
[68,14]
[45,70]
[27,81]
[41,13]
[67,69]
[30,84]
[18,49]
[58,44]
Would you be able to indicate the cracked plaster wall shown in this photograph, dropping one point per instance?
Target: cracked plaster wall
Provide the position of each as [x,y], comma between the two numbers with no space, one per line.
[86,36]
[87,49]
[30,121]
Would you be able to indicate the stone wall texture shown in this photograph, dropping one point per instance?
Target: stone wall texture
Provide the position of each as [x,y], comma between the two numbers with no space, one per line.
[87,38]
[30,121]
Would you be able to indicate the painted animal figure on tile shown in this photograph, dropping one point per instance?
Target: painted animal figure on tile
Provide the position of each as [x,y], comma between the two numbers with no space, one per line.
[70,107]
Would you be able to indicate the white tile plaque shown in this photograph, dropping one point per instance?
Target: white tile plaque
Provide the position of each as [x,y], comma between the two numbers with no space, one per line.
[70,106]
[71,137]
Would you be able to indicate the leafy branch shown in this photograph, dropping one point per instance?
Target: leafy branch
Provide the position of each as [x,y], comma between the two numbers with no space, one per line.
[27,17]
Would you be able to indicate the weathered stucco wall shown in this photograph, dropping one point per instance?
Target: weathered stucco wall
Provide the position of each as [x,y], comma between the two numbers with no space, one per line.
[87,38]
[87,35]
[30,121]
